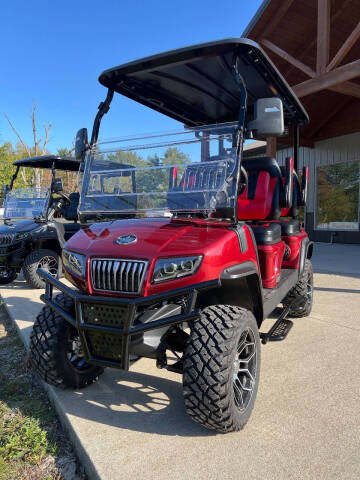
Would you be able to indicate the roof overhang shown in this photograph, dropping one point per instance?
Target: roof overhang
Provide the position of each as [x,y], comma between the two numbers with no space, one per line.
[50,161]
[195,85]
[316,47]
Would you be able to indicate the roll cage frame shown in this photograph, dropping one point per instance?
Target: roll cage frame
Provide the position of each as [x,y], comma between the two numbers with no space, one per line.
[51,162]
[261,68]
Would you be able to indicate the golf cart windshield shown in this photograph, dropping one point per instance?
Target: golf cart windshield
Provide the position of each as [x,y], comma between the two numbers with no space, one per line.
[26,203]
[188,172]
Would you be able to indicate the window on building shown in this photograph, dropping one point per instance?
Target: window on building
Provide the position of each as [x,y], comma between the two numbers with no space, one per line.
[338,196]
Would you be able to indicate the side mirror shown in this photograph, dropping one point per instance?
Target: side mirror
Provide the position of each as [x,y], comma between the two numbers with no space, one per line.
[268,118]
[81,143]
[5,190]
[57,185]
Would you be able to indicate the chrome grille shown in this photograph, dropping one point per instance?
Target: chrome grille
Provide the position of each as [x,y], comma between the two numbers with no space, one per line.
[6,238]
[117,275]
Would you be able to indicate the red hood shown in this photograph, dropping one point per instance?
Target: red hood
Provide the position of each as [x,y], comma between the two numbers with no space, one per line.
[218,244]
[155,237]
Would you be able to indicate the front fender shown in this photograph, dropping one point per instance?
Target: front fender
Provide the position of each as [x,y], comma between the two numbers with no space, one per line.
[240,285]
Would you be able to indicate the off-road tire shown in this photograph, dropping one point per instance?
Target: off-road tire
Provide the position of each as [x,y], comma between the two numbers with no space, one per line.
[48,349]
[301,295]
[11,276]
[31,264]
[209,368]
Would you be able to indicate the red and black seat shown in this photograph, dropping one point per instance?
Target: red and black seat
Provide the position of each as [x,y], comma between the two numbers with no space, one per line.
[261,199]
[292,226]
[261,205]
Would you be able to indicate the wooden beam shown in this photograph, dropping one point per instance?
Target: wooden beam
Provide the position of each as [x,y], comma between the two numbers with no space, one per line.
[323,35]
[303,52]
[335,77]
[289,58]
[285,5]
[345,122]
[347,88]
[345,48]
[325,119]
[271,147]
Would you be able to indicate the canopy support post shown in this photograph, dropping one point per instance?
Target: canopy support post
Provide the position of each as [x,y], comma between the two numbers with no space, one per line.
[13,178]
[104,107]
[238,79]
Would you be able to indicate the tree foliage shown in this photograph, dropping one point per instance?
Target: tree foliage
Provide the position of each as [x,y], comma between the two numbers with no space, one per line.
[29,177]
[338,192]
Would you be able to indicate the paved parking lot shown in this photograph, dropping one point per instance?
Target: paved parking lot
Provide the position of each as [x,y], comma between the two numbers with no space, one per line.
[306,420]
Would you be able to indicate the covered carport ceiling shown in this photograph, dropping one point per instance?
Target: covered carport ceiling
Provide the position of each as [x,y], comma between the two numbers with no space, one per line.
[316,46]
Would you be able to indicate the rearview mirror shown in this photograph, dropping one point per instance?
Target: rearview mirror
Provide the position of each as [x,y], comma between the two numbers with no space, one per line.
[57,185]
[268,118]
[81,143]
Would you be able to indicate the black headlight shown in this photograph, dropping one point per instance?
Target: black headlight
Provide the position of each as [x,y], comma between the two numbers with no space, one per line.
[171,268]
[74,262]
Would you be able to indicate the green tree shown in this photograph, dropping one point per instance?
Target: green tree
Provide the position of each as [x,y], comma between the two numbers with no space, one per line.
[338,192]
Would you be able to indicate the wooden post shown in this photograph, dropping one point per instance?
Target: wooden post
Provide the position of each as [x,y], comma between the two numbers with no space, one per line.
[271,147]
[323,36]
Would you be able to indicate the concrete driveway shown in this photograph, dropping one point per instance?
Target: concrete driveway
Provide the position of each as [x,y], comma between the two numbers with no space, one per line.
[306,420]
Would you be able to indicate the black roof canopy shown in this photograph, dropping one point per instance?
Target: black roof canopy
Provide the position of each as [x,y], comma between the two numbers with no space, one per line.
[47,161]
[195,85]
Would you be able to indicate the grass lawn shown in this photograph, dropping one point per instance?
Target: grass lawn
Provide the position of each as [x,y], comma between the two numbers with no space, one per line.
[33,445]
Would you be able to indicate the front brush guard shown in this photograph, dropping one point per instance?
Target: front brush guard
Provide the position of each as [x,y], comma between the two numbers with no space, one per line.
[129,310]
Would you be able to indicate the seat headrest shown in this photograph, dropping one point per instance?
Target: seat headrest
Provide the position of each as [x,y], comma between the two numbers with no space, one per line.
[268,164]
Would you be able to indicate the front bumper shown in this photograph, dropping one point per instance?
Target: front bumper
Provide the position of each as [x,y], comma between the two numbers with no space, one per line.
[106,324]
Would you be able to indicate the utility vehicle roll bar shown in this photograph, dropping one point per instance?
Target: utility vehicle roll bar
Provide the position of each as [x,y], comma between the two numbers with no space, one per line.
[202,85]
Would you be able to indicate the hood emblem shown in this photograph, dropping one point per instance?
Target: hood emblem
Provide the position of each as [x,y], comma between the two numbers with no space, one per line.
[126,239]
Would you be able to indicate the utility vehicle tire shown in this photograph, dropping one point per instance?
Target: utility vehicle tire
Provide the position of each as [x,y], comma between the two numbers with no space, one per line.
[55,351]
[222,367]
[7,276]
[302,293]
[45,259]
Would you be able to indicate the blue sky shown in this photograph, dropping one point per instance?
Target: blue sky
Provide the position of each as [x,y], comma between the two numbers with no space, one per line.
[52,53]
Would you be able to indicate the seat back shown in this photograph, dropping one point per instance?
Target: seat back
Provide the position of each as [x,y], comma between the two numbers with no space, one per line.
[261,198]
[188,193]
[286,196]
[299,193]
[69,212]
[304,186]
[293,211]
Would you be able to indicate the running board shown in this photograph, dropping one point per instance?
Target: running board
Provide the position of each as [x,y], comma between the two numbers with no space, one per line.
[274,296]
[279,330]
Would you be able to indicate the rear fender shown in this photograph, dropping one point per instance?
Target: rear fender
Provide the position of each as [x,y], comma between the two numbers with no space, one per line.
[306,252]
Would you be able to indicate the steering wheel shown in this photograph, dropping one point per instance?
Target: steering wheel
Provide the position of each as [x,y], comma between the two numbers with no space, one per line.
[243,180]
[64,196]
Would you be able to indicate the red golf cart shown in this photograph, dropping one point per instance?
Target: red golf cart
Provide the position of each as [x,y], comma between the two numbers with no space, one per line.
[185,247]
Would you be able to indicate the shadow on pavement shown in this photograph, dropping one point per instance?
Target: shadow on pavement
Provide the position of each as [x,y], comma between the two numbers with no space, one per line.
[337,259]
[135,401]
[17,285]
[339,290]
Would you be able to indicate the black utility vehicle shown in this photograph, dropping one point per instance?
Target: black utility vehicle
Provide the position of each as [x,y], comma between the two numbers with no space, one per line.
[29,237]
[214,244]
